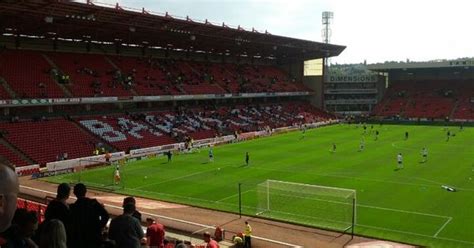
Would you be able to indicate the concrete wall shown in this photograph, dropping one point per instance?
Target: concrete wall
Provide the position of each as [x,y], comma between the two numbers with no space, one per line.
[316,84]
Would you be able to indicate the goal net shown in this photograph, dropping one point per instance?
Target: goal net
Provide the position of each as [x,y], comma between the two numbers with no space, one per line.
[320,206]
[105,177]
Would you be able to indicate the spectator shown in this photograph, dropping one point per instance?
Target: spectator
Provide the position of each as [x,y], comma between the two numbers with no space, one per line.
[132,200]
[9,188]
[58,208]
[210,243]
[237,240]
[23,227]
[88,218]
[53,235]
[125,229]
[247,235]
[155,234]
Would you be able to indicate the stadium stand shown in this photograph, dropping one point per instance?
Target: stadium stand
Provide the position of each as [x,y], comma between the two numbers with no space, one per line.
[27,73]
[46,139]
[3,93]
[124,133]
[432,100]
[93,75]
[90,75]
[11,156]
[464,109]
[39,208]
[43,141]
[148,129]
[147,78]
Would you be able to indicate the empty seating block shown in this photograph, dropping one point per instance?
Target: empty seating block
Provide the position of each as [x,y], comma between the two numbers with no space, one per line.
[427,99]
[3,93]
[90,74]
[27,73]
[11,156]
[149,77]
[44,141]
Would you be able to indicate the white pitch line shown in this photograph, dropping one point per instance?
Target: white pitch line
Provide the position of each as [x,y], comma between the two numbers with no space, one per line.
[404,211]
[417,234]
[177,178]
[442,227]
[380,208]
[363,179]
[190,198]
[234,195]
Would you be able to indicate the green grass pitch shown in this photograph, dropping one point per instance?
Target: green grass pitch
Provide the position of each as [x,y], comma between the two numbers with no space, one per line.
[406,205]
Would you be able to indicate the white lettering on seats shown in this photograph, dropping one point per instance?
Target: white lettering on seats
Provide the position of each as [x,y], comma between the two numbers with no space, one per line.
[103,130]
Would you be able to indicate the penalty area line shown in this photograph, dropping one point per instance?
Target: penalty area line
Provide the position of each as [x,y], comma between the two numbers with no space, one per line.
[180,177]
[442,227]
[416,234]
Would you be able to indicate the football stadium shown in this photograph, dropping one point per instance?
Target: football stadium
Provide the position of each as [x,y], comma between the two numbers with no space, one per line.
[124,127]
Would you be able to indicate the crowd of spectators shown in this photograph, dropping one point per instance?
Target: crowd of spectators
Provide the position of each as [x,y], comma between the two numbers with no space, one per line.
[77,225]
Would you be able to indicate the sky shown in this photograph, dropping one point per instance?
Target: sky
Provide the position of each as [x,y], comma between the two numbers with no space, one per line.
[372,30]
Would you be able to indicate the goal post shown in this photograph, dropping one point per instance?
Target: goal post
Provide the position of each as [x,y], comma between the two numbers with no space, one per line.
[314,205]
[108,182]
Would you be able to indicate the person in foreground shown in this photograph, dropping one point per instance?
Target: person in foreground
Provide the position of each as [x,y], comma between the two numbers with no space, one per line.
[9,188]
[88,219]
[210,243]
[125,229]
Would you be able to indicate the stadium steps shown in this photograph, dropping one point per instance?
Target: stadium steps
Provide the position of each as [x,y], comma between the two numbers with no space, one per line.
[192,69]
[7,88]
[16,151]
[66,91]
[107,145]
[117,68]
[453,110]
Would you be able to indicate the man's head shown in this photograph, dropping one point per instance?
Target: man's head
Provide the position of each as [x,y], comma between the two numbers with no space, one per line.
[246,223]
[128,200]
[26,222]
[129,208]
[9,188]
[80,190]
[207,236]
[150,221]
[63,191]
